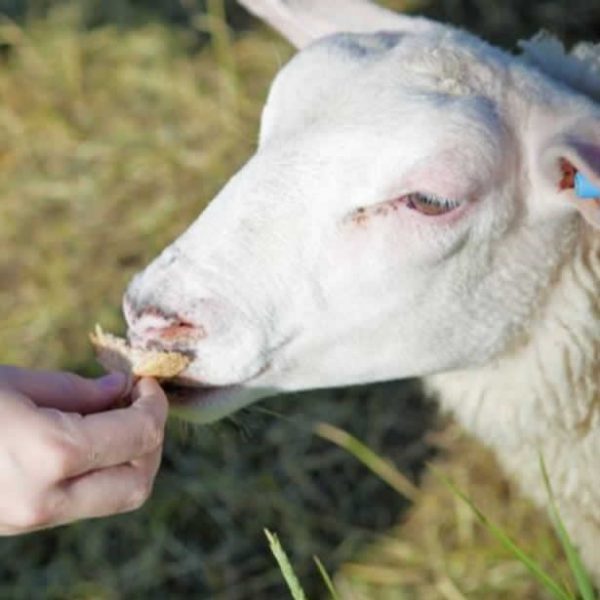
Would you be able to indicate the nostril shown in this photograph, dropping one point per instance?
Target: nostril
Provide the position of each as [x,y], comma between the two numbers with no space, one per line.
[179,330]
[155,328]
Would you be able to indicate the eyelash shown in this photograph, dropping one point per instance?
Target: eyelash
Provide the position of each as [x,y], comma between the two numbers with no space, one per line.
[437,205]
[429,205]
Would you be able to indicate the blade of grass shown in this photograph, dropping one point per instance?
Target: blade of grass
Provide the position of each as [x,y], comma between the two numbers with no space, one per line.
[285,566]
[555,588]
[189,415]
[584,585]
[326,578]
[384,469]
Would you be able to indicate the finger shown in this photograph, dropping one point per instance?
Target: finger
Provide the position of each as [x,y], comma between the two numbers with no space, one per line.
[150,463]
[98,493]
[117,489]
[117,436]
[64,391]
[146,387]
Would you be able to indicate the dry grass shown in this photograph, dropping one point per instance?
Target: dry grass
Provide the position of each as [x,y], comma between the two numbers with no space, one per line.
[442,551]
[111,142]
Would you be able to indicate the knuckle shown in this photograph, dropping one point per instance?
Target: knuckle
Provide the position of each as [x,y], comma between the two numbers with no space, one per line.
[32,515]
[139,494]
[152,432]
[60,457]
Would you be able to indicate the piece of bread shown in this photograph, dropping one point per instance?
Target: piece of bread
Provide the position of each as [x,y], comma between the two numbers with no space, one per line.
[115,354]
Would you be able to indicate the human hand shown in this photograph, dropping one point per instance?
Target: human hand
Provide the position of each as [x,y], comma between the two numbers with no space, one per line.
[61,459]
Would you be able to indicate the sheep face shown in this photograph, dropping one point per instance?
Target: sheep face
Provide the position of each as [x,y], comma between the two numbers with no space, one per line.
[388,226]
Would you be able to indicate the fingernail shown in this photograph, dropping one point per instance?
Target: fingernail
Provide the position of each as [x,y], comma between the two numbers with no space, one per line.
[113,382]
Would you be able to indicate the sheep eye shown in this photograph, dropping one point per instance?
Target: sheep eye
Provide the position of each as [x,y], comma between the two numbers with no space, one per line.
[429,205]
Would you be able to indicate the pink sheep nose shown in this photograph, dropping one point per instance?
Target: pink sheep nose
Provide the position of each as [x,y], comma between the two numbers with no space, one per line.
[151,326]
[175,331]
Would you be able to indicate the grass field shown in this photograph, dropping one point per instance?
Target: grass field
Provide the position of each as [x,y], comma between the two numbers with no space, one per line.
[112,140]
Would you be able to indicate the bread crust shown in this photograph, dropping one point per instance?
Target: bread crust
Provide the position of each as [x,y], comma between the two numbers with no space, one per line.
[115,354]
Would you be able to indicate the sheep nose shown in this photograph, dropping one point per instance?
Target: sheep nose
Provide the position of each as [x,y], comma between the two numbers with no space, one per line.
[175,331]
[152,327]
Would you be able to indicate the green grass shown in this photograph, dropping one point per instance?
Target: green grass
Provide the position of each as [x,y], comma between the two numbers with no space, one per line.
[326,579]
[583,583]
[442,550]
[384,469]
[536,570]
[285,567]
[543,575]
[112,140]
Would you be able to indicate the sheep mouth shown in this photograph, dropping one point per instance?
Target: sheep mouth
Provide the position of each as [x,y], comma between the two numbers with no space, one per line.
[197,400]
[200,403]
[187,392]
[207,404]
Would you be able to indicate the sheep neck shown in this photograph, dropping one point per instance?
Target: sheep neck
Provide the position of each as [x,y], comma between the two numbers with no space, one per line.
[551,379]
[543,398]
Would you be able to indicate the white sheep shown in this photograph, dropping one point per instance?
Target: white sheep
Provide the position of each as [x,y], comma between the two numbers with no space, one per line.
[409,212]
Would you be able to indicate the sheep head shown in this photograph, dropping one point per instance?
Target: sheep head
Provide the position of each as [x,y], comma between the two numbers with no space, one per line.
[408,205]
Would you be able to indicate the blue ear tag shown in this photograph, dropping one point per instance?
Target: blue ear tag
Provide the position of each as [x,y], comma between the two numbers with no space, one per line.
[584,188]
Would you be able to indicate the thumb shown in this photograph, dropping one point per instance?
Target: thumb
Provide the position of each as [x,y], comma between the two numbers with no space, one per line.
[65,391]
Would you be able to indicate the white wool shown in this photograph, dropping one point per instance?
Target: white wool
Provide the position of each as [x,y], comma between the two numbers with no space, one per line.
[542,398]
[579,69]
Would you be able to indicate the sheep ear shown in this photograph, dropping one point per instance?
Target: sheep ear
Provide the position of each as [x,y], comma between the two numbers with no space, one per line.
[303,21]
[576,149]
